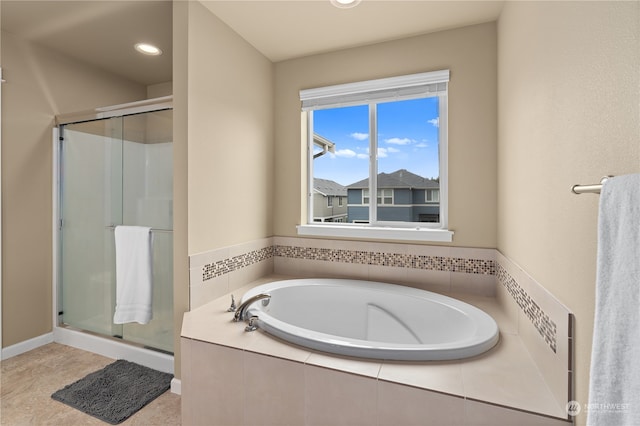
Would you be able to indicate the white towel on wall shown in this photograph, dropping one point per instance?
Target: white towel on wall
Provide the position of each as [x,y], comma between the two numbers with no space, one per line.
[134,286]
[614,387]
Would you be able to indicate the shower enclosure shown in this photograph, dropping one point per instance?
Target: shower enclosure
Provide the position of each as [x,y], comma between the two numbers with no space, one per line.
[114,169]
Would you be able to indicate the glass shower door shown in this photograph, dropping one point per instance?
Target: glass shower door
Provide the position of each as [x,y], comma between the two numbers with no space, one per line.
[147,200]
[116,171]
[90,201]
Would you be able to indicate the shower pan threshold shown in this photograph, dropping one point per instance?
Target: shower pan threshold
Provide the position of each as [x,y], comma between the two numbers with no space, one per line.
[114,347]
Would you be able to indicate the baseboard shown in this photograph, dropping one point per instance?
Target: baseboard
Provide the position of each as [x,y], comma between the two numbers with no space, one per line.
[176,386]
[26,346]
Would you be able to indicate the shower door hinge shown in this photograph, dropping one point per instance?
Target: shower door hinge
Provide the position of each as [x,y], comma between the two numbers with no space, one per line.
[60,225]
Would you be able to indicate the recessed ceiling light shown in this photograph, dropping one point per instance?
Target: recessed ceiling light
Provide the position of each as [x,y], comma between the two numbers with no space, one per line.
[148,49]
[345,4]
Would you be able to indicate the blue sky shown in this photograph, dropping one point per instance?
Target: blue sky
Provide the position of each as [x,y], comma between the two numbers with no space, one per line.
[407,139]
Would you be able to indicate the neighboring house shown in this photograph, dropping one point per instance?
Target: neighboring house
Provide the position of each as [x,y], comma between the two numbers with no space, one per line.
[402,197]
[329,201]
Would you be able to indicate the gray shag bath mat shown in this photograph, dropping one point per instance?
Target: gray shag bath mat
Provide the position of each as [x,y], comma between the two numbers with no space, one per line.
[116,392]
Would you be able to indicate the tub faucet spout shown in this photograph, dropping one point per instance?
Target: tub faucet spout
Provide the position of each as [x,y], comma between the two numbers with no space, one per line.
[242,309]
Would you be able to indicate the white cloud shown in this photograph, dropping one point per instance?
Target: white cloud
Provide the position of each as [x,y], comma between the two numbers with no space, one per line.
[422,145]
[392,149]
[435,122]
[399,141]
[346,153]
[360,136]
[365,156]
[382,152]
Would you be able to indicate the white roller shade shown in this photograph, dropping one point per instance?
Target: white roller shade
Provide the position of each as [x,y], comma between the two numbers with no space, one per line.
[393,88]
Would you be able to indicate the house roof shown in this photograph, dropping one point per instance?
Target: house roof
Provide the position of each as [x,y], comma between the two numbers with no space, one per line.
[399,179]
[328,187]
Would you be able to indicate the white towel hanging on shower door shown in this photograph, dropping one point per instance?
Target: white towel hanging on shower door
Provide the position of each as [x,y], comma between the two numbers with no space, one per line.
[134,286]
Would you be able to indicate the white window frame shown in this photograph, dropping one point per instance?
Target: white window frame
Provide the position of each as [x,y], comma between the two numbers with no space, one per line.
[379,196]
[371,92]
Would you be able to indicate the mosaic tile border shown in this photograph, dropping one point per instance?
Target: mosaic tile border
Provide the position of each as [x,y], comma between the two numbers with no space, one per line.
[433,263]
[225,266]
[540,320]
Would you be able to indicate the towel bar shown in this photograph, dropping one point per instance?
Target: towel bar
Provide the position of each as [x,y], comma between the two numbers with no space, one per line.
[589,189]
[112,227]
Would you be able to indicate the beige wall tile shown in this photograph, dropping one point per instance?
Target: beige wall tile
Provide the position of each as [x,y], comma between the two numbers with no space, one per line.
[211,256]
[515,381]
[442,376]
[203,293]
[360,366]
[480,414]
[422,250]
[187,385]
[334,398]
[438,281]
[264,343]
[274,391]
[208,401]
[508,305]
[484,285]
[388,274]
[408,406]
[286,266]
[473,253]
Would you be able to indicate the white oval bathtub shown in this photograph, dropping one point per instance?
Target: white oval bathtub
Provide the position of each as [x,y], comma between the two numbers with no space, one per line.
[372,320]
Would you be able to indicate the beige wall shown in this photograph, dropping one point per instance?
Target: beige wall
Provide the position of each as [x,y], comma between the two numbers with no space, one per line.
[223,143]
[180,164]
[470,54]
[230,92]
[40,84]
[569,109]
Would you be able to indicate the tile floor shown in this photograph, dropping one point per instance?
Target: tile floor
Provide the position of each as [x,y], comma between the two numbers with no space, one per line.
[28,380]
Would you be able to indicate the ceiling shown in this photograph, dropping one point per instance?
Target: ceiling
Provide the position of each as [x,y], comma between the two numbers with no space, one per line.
[288,29]
[102,33]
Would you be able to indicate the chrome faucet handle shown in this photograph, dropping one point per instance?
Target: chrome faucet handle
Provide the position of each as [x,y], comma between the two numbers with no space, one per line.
[233,306]
[253,324]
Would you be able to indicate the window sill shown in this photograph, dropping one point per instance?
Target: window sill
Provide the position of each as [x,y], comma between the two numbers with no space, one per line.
[377,233]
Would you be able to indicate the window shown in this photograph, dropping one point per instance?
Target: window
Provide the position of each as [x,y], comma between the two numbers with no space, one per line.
[386,137]
[329,201]
[384,196]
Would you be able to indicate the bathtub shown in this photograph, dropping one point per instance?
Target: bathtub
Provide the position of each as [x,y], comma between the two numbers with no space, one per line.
[372,320]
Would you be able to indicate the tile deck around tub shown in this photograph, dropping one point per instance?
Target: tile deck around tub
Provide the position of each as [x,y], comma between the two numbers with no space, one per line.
[505,376]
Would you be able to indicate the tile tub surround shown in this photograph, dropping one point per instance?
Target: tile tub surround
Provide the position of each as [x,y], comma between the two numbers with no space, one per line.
[542,323]
[437,268]
[223,363]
